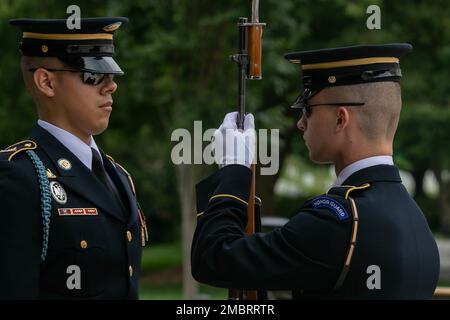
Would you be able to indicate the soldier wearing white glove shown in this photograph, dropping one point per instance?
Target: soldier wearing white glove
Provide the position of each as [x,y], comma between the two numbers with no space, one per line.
[232,145]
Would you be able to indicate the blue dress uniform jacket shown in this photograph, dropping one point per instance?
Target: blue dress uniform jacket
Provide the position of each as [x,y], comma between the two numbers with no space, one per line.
[307,255]
[101,237]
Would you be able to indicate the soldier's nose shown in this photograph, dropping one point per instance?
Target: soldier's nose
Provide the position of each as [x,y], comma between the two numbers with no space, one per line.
[110,86]
[301,124]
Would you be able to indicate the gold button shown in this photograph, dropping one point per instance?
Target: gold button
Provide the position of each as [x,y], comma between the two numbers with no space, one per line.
[129,237]
[130,270]
[83,244]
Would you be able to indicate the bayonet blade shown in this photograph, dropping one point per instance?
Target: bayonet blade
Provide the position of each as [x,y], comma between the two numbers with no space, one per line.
[255,11]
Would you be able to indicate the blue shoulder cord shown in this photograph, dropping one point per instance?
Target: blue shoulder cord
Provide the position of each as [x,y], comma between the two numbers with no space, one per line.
[45,200]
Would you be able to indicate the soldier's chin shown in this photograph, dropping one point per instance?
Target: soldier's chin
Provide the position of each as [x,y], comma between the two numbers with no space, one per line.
[319,159]
[100,128]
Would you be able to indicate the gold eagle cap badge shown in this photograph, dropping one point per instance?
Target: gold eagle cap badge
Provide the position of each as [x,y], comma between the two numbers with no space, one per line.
[112,27]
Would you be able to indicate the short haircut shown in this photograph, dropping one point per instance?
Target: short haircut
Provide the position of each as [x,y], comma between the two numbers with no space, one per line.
[27,63]
[378,117]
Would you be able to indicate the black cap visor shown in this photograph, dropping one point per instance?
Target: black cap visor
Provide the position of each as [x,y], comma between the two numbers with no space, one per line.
[304,96]
[105,65]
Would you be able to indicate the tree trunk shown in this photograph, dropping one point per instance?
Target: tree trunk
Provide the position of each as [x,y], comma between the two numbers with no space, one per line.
[444,204]
[186,179]
[418,175]
[444,201]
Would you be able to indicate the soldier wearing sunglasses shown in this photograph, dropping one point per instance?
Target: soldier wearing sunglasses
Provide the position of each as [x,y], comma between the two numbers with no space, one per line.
[71,226]
[365,238]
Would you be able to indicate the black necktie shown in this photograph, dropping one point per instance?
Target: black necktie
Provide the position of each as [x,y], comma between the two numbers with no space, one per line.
[99,171]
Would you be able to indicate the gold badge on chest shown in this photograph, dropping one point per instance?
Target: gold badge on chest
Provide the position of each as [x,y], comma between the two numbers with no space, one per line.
[64,164]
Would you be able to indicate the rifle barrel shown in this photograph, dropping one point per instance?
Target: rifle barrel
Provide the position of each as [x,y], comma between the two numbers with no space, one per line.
[242,75]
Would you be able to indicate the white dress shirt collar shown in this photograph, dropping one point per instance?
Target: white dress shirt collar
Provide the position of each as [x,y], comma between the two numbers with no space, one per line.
[80,149]
[359,165]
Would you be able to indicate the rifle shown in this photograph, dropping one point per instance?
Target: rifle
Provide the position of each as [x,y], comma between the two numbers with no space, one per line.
[248,59]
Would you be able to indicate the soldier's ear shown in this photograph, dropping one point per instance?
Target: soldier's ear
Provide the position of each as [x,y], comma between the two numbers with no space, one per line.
[44,81]
[342,118]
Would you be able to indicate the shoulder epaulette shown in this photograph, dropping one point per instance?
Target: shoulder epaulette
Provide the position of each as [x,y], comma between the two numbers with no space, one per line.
[344,191]
[111,159]
[117,164]
[144,231]
[124,170]
[42,176]
[18,147]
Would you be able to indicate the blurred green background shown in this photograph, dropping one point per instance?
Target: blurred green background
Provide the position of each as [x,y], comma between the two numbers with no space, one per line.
[175,55]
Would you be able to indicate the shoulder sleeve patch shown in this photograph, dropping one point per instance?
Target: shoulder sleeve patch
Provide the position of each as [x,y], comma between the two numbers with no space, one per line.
[330,203]
[18,147]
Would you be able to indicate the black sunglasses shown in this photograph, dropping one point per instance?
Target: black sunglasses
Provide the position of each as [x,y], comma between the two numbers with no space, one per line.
[89,78]
[307,108]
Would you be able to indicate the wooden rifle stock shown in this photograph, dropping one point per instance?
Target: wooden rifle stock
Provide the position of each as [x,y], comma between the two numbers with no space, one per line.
[251,224]
[234,294]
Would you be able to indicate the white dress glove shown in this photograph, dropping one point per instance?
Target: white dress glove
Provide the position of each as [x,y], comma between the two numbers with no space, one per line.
[234,146]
